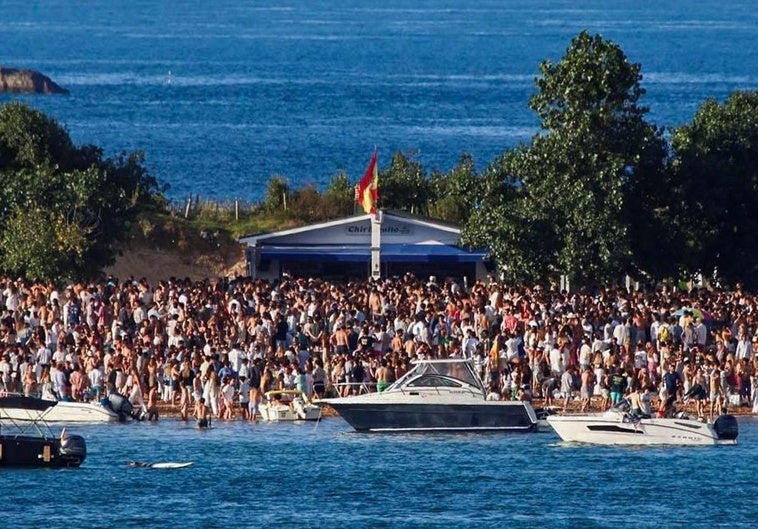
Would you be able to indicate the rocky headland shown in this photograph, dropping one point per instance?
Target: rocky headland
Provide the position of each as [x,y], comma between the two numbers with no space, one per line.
[13,80]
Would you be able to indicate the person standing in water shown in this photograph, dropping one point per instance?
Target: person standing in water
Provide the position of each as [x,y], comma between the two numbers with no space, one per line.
[202,414]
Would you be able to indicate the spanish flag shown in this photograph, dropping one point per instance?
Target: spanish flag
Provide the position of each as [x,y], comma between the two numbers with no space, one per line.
[367,190]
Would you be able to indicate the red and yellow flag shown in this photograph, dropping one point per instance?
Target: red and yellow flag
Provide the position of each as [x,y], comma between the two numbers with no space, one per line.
[367,191]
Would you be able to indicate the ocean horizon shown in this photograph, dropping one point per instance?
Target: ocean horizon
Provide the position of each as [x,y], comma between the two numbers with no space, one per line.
[222,96]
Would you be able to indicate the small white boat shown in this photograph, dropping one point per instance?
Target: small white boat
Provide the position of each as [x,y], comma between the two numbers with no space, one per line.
[80,412]
[117,409]
[288,405]
[618,427]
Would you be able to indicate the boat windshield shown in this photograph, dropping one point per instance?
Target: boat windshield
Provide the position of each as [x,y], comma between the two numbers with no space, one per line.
[433,381]
[438,374]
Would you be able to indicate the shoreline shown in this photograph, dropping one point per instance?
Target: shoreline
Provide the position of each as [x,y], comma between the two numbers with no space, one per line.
[166,411]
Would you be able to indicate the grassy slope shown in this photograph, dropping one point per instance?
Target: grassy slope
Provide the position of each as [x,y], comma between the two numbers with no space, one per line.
[166,244]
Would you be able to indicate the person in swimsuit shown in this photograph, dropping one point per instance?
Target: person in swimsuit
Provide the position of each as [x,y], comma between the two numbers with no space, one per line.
[382,377]
[201,414]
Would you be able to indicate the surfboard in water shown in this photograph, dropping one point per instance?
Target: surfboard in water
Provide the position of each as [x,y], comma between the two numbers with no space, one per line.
[170,464]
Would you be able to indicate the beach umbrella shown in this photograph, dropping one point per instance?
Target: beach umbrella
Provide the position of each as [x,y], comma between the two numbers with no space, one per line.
[697,313]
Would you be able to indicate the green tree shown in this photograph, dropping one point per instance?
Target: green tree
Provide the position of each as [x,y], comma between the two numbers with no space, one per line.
[339,197]
[43,244]
[715,169]
[277,193]
[495,222]
[572,184]
[404,186]
[455,194]
[28,138]
[63,208]
[306,205]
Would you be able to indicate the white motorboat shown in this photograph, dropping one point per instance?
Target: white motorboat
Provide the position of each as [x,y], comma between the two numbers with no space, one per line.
[288,405]
[618,427]
[30,442]
[436,395]
[115,408]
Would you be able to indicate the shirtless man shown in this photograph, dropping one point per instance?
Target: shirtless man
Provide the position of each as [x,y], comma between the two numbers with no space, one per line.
[714,381]
[635,402]
[588,386]
[202,414]
[152,405]
[382,377]
[339,339]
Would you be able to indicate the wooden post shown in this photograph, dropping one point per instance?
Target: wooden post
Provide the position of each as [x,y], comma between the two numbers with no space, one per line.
[187,207]
[236,209]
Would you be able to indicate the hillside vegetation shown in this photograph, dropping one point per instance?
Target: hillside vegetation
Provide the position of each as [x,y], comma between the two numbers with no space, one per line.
[598,193]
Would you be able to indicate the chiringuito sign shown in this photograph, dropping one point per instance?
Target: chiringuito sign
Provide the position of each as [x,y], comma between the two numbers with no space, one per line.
[387,229]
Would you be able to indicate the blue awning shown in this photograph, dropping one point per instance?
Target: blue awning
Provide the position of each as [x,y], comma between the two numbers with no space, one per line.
[390,253]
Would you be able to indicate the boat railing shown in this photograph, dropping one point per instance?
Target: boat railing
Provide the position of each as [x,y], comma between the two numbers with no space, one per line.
[364,387]
[36,420]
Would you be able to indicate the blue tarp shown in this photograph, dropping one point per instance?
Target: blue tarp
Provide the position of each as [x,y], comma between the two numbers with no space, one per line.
[390,253]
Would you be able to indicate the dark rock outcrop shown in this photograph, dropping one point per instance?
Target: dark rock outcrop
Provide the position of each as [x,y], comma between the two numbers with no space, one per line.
[17,81]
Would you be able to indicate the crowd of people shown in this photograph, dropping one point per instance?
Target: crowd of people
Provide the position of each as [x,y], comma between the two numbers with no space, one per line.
[215,347]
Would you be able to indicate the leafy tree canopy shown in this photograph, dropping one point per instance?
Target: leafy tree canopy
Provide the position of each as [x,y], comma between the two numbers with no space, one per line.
[715,199]
[404,185]
[63,208]
[567,192]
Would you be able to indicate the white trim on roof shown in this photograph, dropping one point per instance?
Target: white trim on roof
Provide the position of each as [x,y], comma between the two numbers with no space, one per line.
[252,240]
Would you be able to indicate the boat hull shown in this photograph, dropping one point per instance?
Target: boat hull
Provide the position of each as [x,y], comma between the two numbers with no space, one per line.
[62,412]
[422,417]
[625,431]
[30,451]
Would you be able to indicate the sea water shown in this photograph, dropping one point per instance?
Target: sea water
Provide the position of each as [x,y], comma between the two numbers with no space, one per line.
[223,94]
[326,475]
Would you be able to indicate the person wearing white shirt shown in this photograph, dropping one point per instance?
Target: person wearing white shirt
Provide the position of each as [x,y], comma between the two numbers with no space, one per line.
[744,348]
[236,355]
[556,362]
[701,332]
[608,329]
[469,344]
[512,346]
[44,356]
[585,354]
[621,333]
[654,330]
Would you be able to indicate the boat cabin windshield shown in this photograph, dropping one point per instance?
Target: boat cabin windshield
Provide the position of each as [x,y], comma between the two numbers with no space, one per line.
[439,374]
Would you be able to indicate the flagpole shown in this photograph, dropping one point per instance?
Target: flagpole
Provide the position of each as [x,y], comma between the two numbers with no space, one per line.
[376,245]
[366,194]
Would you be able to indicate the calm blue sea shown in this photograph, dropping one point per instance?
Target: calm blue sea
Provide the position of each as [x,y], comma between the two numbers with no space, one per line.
[221,95]
[301,475]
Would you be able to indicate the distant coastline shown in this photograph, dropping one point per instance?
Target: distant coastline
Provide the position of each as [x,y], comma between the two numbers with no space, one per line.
[21,81]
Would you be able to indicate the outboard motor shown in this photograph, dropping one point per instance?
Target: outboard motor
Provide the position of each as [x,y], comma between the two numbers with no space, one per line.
[726,427]
[73,449]
[120,405]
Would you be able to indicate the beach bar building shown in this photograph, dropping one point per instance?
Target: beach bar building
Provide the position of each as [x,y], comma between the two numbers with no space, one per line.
[345,249]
